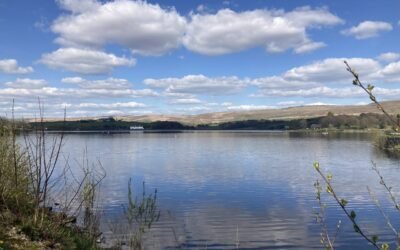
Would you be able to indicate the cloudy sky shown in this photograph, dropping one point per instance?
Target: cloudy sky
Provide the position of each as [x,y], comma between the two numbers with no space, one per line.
[188,57]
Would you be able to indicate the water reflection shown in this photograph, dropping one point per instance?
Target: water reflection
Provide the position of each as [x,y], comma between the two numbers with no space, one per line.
[255,189]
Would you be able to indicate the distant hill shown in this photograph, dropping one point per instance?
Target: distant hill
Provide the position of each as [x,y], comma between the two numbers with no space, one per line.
[291,113]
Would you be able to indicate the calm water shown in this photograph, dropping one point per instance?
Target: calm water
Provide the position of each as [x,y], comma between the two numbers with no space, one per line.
[254,189]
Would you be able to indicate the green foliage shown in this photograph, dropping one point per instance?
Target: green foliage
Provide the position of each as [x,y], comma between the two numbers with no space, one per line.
[343,202]
[18,204]
[14,180]
[362,121]
[385,246]
[388,142]
[106,124]
[375,238]
[140,214]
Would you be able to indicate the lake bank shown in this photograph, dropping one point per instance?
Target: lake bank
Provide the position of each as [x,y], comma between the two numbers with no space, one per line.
[330,121]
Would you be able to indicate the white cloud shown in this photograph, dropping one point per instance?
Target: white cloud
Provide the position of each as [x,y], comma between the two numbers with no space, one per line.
[387,93]
[390,73]
[388,57]
[111,105]
[308,47]
[391,69]
[79,6]
[226,104]
[42,24]
[315,79]
[149,29]
[188,101]
[290,103]
[321,78]
[52,109]
[273,82]
[73,80]
[178,95]
[328,92]
[74,93]
[202,8]
[143,27]
[332,70]
[26,83]
[367,29]
[249,107]
[10,66]
[320,104]
[78,101]
[110,83]
[320,92]
[199,84]
[228,31]
[84,61]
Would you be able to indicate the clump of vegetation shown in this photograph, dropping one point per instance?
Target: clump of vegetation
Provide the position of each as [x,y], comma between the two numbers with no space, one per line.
[45,205]
[105,124]
[137,218]
[39,205]
[389,142]
[330,121]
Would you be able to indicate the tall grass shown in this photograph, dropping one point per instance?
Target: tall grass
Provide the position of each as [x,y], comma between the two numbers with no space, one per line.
[30,174]
[45,203]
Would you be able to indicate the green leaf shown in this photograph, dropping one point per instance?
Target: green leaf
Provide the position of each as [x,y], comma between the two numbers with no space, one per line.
[375,238]
[370,87]
[356,228]
[355,82]
[385,246]
[329,176]
[329,189]
[316,165]
[343,202]
[353,214]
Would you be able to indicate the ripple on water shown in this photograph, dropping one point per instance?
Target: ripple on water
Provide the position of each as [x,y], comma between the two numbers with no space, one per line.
[217,190]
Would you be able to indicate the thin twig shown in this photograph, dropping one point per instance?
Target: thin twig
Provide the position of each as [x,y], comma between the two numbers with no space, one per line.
[372,97]
[388,189]
[376,201]
[348,214]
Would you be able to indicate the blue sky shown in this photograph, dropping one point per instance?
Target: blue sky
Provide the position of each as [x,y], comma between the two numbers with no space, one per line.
[126,57]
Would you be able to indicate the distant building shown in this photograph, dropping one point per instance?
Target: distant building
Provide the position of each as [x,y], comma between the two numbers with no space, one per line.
[136,128]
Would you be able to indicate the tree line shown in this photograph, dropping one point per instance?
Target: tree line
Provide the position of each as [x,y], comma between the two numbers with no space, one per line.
[362,121]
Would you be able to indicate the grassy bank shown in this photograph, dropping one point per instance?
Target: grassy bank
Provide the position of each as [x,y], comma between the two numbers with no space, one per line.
[29,219]
[46,205]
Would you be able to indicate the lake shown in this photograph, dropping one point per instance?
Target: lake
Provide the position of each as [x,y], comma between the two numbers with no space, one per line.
[242,189]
